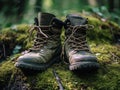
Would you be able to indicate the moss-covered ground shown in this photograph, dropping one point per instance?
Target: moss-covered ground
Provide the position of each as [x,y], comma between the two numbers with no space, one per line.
[102,42]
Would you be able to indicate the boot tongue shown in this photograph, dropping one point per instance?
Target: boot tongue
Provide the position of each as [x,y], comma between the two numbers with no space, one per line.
[45,18]
[76,19]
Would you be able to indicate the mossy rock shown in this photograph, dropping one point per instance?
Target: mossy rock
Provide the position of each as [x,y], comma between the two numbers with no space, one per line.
[101,41]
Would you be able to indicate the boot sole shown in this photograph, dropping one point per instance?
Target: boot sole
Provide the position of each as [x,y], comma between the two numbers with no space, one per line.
[84,66]
[24,65]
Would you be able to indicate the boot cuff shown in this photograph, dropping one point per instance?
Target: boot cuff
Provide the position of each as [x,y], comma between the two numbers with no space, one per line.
[45,18]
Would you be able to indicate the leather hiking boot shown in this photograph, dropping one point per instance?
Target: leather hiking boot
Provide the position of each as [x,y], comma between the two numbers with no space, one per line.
[47,44]
[76,48]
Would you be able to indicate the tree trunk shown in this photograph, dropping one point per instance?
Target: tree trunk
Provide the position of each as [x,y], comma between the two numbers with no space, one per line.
[93,2]
[111,5]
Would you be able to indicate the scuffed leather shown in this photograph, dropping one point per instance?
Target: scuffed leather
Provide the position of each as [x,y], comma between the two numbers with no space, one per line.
[42,56]
[80,56]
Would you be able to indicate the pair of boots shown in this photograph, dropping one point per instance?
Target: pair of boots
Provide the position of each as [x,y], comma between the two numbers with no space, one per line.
[47,44]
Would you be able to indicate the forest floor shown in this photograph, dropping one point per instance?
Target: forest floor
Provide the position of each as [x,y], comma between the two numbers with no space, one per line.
[103,41]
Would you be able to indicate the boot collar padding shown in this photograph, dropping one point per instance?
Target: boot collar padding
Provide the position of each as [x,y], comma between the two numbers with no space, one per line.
[45,18]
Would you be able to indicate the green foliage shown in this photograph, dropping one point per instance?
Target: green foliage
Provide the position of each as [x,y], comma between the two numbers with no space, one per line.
[11,12]
[103,12]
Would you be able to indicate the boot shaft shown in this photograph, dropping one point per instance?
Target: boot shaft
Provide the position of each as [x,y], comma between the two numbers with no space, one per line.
[48,30]
[48,23]
[76,32]
[73,21]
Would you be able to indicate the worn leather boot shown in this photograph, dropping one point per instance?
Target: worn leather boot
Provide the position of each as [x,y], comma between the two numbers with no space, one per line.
[47,44]
[76,48]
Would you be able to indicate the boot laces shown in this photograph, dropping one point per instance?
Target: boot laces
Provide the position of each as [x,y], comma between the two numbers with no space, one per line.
[40,38]
[78,40]
[79,43]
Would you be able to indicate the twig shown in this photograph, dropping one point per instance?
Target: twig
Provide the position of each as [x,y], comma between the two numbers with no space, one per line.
[4,53]
[58,80]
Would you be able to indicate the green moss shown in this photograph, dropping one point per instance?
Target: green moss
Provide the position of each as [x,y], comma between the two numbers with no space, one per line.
[101,43]
[108,77]
[15,35]
[94,21]
[103,31]
[6,69]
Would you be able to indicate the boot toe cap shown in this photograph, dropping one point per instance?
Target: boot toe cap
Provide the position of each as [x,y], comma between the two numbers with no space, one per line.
[83,62]
[83,58]
[28,61]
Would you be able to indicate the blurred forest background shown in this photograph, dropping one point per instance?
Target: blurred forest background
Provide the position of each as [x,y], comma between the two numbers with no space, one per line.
[23,11]
[16,17]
